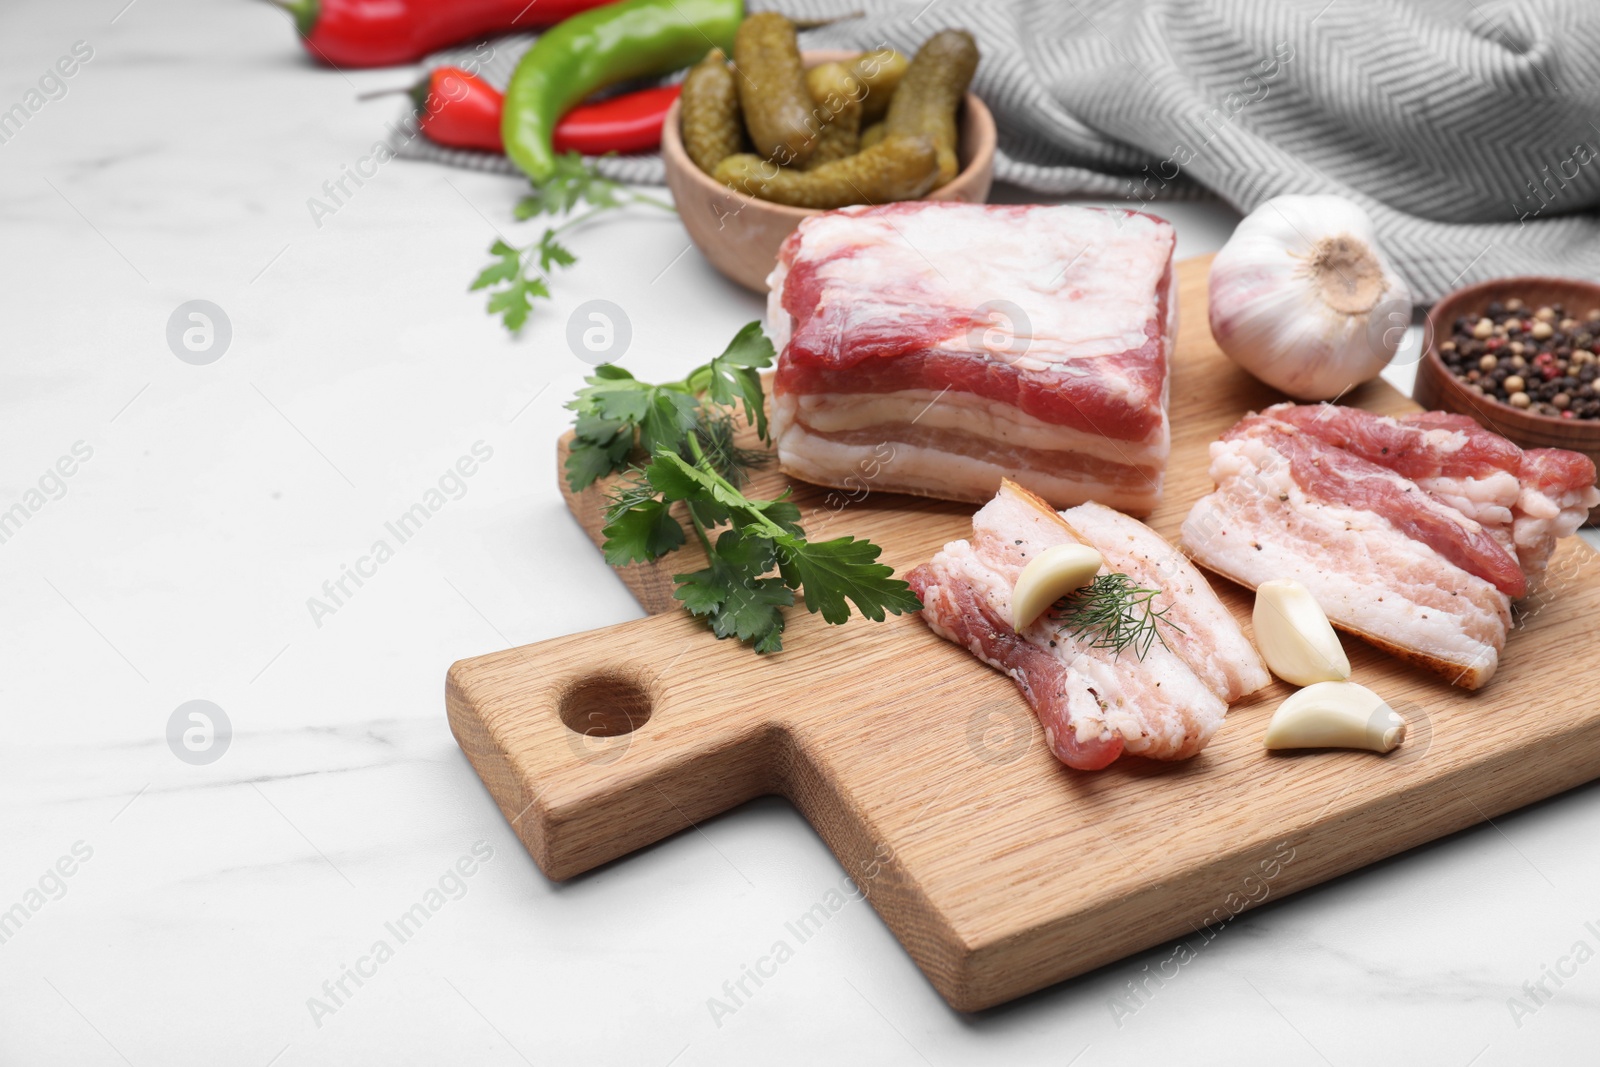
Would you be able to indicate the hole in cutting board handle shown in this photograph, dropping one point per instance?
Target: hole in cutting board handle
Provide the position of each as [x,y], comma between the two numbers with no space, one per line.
[607,704]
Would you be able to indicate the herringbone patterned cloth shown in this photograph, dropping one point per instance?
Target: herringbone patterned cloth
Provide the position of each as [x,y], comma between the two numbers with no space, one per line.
[1470,132]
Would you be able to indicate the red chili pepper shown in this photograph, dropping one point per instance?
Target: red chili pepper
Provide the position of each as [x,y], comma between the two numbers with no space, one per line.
[387,33]
[461,110]
[628,122]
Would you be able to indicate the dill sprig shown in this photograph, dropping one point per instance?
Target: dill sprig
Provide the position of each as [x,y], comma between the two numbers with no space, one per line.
[1116,614]
[716,434]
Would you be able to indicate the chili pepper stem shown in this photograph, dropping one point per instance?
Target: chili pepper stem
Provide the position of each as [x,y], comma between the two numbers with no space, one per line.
[304,13]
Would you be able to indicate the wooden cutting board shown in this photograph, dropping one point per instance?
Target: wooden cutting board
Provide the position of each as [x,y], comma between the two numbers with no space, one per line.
[1000,870]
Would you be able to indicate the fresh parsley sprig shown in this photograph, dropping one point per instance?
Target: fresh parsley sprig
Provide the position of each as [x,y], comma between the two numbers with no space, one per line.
[1115,614]
[573,182]
[617,413]
[737,593]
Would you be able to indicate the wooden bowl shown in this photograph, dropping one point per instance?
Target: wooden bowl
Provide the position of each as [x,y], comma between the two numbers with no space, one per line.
[740,234]
[1437,389]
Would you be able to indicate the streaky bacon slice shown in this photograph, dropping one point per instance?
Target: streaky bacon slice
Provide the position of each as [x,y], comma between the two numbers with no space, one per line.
[1204,631]
[1345,478]
[1093,704]
[1455,447]
[978,342]
[1380,518]
[1558,491]
[1527,500]
[956,610]
[1371,578]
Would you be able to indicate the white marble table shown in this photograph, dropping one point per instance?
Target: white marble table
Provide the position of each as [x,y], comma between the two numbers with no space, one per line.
[212,910]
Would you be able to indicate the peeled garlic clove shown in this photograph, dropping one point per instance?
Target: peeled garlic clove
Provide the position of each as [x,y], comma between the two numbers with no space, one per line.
[1302,297]
[1336,715]
[1294,635]
[1048,577]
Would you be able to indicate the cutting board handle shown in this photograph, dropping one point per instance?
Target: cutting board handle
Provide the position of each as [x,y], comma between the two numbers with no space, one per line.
[623,736]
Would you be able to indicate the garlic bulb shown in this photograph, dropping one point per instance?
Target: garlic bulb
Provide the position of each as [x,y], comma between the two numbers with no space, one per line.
[1302,298]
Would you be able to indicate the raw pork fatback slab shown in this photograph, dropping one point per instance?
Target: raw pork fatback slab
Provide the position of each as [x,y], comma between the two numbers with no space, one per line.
[936,348]
[1094,704]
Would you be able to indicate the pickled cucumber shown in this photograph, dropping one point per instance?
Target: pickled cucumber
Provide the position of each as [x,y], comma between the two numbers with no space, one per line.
[710,109]
[880,71]
[871,135]
[836,94]
[900,168]
[772,89]
[931,92]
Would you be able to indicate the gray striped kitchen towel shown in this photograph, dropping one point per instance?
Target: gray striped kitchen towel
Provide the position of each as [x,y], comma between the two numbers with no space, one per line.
[1468,131]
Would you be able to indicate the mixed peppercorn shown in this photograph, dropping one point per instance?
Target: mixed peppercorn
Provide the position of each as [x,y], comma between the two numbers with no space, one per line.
[1541,360]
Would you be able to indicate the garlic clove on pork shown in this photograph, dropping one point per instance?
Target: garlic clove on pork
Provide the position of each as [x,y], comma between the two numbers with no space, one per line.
[1294,635]
[1336,715]
[1302,297]
[1048,577]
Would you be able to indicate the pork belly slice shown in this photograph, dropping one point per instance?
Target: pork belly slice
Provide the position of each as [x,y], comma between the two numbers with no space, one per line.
[1452,458]
[1094,705]
[1527,501]
[1028,341]
[1332,474]
[1378,556]
[1558,490]
[1204,633]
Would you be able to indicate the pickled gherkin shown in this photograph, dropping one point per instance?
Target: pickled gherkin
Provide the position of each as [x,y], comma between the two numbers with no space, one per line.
[772,89]
[900,168]
[836,93]
[710,106]
[880,71]
[930,95]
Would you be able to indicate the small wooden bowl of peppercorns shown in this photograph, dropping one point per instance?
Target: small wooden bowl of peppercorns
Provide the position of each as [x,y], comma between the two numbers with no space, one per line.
[1521,356]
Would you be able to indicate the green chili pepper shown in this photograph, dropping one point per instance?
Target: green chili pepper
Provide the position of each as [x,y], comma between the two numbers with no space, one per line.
[600,47]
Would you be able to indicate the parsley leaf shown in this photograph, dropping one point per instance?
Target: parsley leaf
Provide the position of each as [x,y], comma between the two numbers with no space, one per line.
[613,405]
[734,376]
[736,592]
[574,182]
[732,593]
[590,460]
[757,555]
[507,268]
[843,570]
[641,533]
